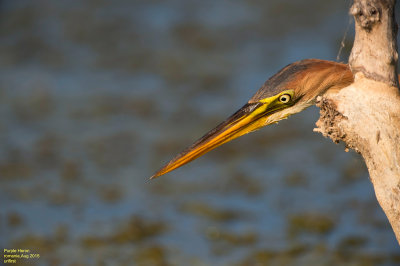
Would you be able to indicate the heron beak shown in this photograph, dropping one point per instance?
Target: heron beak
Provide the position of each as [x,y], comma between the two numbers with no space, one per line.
[250,117]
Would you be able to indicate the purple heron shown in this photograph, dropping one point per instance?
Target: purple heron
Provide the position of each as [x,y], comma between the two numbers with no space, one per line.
[291,90]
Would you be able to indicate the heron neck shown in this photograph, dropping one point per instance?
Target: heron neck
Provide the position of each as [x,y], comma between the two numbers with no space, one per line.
[325,79]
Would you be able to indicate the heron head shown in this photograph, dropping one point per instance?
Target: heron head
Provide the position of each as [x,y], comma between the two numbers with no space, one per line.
[289,91]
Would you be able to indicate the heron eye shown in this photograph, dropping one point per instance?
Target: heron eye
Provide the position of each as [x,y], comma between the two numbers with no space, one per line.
[285,98]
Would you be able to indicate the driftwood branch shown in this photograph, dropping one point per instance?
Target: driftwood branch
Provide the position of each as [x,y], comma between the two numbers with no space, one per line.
[366,114]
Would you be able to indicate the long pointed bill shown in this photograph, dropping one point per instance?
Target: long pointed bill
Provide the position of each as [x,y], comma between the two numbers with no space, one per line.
[250,117]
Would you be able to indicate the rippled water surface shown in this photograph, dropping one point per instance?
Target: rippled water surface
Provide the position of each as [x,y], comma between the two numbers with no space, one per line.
[96,95]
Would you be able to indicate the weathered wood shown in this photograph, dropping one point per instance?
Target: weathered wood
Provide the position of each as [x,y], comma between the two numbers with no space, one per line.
[366,114]
[374,52]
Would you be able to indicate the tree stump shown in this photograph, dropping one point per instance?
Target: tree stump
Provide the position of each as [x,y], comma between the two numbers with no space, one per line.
[366,114]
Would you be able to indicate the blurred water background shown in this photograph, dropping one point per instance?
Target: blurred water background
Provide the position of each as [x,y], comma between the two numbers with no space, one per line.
[96,95]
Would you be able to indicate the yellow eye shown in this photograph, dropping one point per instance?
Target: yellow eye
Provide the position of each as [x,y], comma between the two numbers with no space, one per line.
[285,98]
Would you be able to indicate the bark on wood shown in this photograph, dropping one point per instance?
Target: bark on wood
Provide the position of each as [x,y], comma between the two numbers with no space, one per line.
[366,115]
